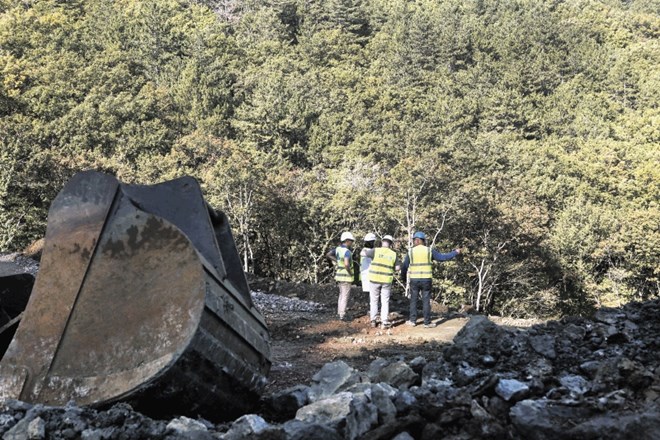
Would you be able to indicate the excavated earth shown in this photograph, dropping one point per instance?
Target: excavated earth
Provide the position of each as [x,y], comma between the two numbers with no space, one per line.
[471,377]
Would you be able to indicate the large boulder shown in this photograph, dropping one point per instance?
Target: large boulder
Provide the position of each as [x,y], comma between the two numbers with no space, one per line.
[348,414]
[398,374]
[546,420]
[332,378]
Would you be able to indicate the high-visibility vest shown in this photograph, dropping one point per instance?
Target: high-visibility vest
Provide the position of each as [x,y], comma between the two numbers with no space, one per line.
[382,266]
[342,274]
[420,263]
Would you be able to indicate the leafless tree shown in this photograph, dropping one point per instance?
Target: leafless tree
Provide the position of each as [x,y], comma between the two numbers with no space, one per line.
[487,278]
[317,253]
[240,206]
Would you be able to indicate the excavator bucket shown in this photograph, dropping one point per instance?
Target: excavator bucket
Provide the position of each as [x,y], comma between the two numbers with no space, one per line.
[140,297]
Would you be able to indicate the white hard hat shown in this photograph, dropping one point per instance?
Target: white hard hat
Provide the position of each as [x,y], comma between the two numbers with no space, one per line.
[370,237]
[389,238]
[347,236]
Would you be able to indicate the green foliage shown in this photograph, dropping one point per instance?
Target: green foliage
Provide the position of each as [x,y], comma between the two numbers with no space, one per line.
[527,132]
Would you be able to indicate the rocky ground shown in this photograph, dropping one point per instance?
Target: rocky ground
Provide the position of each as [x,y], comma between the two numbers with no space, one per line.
[472,377]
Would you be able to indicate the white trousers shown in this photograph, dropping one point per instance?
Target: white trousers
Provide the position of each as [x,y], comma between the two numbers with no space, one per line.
[382,292]
[366,284]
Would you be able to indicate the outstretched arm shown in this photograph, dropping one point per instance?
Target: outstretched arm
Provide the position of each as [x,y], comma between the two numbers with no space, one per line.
[438,256]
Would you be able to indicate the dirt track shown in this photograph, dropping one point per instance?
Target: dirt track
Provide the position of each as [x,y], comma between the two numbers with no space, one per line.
[302,342]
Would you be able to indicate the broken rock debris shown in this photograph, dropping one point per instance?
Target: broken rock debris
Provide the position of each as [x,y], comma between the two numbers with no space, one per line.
[560,380]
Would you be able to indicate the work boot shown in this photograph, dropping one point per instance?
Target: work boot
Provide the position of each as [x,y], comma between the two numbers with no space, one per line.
[430,325]
[374,324]
[385,325]
[411,323]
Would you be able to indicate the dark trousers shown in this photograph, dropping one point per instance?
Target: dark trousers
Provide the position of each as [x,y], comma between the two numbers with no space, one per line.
[425,286]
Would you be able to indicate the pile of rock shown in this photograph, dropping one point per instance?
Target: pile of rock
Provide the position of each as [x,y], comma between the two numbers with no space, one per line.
[270,304]
[575,378]
[41,422]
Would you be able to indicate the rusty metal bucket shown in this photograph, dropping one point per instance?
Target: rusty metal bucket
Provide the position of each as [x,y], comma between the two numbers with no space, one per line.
[140,297]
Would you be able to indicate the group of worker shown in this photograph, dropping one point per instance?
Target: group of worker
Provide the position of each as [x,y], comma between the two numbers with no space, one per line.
[377,268]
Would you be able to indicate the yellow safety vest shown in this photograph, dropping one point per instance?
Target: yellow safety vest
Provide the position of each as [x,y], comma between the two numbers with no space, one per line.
[420,263]
[342,274]
[382,266]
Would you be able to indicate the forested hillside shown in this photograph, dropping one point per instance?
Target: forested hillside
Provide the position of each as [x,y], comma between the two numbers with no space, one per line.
[526,131]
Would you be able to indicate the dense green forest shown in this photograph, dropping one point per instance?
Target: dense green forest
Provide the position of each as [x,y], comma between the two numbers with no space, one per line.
[526,131]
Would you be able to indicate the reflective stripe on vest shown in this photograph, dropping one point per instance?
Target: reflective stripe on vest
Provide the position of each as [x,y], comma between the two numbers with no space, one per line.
[382,266]
[420,263]
[342,274]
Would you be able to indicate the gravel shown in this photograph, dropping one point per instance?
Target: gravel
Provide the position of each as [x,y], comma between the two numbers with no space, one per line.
[27,264]
[269,303]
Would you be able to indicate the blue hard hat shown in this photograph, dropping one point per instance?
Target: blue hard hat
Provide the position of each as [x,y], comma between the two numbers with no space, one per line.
[420,235]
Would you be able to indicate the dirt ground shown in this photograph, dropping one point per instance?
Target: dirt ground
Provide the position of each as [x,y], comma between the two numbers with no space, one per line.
[302,342]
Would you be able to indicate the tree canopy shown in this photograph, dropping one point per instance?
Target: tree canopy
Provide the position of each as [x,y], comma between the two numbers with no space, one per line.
[525,131]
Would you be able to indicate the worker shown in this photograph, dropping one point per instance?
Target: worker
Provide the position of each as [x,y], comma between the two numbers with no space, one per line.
[381,275]
[420,261]
[344,275]
[365,261]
